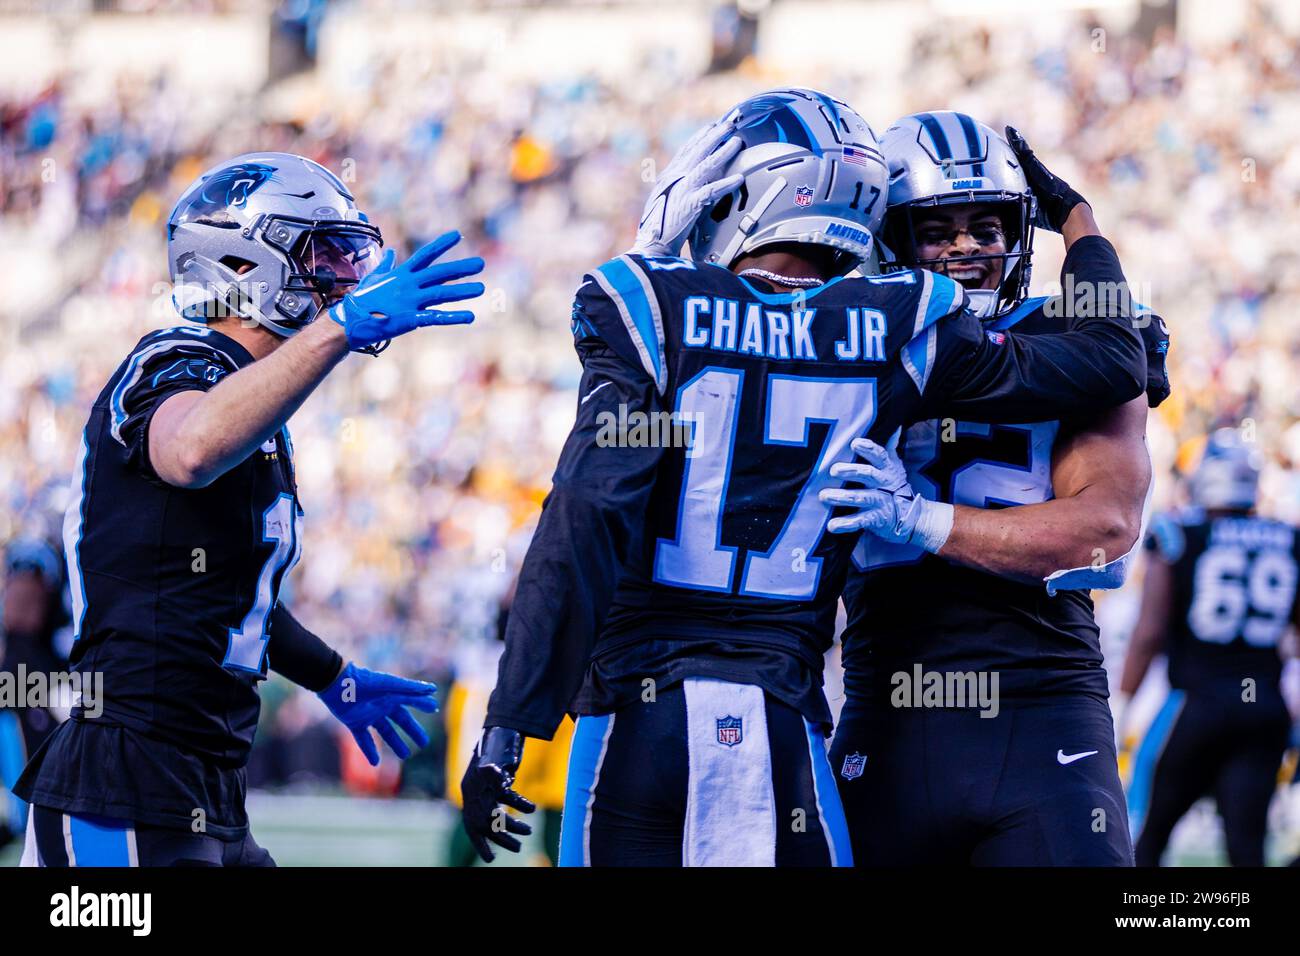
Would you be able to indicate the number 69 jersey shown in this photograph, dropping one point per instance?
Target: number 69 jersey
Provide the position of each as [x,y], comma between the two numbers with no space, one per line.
[1235,592]
[172,590]
[684,536]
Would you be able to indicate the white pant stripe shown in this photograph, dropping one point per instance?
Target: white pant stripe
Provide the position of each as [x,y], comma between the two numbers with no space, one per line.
[31,855]
[67,840]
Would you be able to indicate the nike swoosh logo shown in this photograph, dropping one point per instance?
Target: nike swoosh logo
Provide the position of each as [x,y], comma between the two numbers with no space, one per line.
[594,391]
[1063,758]
[378,285]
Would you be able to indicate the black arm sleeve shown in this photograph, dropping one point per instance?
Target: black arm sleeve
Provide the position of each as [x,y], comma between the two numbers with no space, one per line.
[300,655]
[591,522]
[1003,377]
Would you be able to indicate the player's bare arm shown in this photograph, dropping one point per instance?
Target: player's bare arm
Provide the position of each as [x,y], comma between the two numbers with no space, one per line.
[195,436]
[1100,476]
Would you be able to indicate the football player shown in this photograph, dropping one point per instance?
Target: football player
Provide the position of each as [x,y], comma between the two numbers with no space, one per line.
[185,516]
[1219,594]
[1024,773]
[680,592]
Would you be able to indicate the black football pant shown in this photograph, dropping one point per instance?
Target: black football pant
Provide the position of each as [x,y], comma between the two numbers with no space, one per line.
[1036,785]
[710,774]
[1209,743]
[55,838]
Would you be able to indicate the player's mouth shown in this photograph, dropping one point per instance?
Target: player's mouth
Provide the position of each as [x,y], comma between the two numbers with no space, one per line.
[971,275]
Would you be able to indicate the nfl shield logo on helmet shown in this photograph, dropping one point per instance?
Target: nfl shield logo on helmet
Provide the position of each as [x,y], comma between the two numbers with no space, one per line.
[803,195]
[730,731]
[853,764]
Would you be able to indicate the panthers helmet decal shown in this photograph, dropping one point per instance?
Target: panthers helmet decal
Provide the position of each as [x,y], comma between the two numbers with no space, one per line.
[813,175]
[270,237]
[230,187]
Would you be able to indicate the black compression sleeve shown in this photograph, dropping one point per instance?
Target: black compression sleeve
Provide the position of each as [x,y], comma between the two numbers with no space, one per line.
[591,523]
[299,654]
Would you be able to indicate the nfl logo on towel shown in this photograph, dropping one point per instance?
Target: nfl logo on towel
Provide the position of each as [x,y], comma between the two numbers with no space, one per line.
[730,731]
[803,195]
[853,764]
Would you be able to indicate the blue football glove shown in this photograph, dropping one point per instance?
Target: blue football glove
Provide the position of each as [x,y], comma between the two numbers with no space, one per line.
[362,699]
[887,505]
[394,300]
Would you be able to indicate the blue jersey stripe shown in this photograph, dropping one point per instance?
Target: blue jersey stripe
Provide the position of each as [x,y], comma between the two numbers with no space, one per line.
[943,293]
[937,300]
[629,294]
[1018,313]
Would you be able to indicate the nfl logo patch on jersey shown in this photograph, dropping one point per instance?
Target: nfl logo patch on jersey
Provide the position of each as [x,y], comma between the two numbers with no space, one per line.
[730,731]
[803,195]
[853,765]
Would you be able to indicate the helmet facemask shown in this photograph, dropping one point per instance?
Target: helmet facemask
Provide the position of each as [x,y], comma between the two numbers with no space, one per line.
[1013,266]
[271,238]
[325,260]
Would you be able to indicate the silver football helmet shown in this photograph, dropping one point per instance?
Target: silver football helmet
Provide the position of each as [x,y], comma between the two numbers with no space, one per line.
[943,158]
[1227,477]
[269,237]
[813,174]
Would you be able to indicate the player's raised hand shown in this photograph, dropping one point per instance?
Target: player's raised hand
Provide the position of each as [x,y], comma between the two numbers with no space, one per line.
[395,299]
[363,700]
[1054,195]
[887,505]
[487,784]
[689,185]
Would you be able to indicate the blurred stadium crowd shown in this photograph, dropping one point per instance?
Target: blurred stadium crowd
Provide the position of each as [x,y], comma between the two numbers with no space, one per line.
[422,472]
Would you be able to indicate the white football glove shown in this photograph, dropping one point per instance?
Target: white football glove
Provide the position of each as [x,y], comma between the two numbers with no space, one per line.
[687,187]
[888,507]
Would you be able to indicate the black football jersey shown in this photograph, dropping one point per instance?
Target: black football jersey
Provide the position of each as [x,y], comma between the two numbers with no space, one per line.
[684,535]
[1235,592]
[905,606]
[172,590]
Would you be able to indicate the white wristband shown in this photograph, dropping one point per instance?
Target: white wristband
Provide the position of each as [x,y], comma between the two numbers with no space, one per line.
[933,525]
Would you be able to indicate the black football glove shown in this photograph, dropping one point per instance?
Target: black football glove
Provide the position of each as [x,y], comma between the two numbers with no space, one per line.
[1054,195]
[1155,336]
[486,785]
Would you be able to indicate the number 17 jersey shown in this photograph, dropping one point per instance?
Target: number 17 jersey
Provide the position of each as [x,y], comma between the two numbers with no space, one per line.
[684,528]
